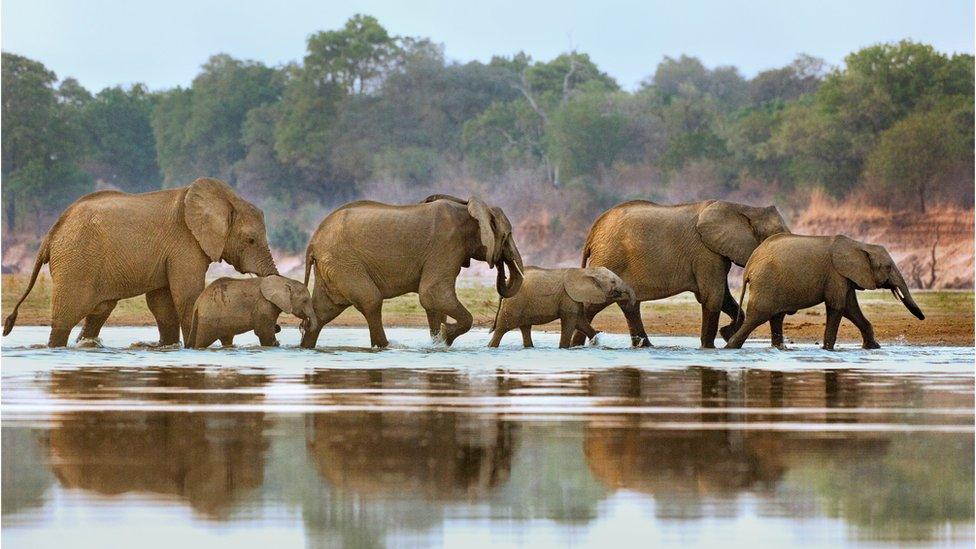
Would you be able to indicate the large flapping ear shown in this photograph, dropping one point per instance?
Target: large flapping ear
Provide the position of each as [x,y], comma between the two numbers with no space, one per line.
[851,261]
[727,232]
[585,286]
[207,210]
[275,289]
[479,210]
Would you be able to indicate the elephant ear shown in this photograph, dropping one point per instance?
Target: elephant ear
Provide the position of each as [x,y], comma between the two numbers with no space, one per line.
[480,211]
[207,210]
[727,231]
[852,262]
[275,289]
[585,286]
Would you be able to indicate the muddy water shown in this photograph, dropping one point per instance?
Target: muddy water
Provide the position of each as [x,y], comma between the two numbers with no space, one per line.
[422,445]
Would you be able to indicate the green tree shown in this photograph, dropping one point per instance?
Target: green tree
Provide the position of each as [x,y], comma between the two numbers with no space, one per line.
[40,145]
[122,148]
[353,57]
[913,154]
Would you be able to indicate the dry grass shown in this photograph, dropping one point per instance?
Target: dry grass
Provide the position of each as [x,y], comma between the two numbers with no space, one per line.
[949,315]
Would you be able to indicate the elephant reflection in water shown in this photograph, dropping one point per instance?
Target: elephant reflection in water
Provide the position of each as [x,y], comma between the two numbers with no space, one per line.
[897,486]
[430,455]
[210,460]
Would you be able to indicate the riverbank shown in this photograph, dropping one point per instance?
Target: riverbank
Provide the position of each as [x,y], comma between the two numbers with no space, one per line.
[949,315]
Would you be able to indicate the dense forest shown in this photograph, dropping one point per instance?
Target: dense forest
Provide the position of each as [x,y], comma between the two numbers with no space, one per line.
[554,141]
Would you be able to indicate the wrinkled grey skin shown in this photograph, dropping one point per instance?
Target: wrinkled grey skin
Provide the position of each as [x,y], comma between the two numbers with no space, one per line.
[111,245]
[548,294]
[787,273]
[232,306]
[663,250]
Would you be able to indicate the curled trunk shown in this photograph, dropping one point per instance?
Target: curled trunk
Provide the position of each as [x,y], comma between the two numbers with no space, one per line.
[512,260]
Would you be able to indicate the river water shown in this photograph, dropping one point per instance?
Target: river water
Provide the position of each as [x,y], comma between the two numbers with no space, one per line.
[418,444]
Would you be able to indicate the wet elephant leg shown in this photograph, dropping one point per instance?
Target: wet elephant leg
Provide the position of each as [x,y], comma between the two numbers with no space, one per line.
[325,311]
[439,296]
[160,303]
[66,312]
[830,331]
[567,326]
[852,312]
[369,302]
[638,337]
[96,319]
[753,320]
[730,308]
[776,330]
[227,341]
[526,336]
[434,321]
[589,312]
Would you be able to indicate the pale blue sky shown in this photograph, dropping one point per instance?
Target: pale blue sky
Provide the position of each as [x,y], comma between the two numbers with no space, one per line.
[163,43]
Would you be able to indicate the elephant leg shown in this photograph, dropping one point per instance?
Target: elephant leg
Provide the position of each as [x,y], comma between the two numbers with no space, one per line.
[371,307]
[830,331]
[184,289]
[434,321]
[567,325]
[730,308]
[583,326]
[589,312]
[852,312]
[96,319]
[709,327]
[526,336]
[441,297]
[227,341]
[66,312]
[160,303]
[266,334]
[638,337]
[325,311]
[496,336]
[776,330]
[753,320]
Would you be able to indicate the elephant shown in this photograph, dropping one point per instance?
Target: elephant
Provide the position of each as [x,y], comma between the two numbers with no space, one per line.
[548,294]
[787,273]
[661,250]
[366,251]
[111,245]
[231,306]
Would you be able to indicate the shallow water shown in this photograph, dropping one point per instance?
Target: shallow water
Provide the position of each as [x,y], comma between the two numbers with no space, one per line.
[424,445]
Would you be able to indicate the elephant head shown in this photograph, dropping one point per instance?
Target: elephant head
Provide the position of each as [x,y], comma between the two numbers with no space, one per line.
[597,285]
[495,233]
[735,230]
[868,266]
[228,227]
[292,297]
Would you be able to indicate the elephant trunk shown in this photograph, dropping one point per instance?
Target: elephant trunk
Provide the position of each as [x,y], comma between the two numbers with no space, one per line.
[513,261]
[309,321]
[900,289]
[264,264]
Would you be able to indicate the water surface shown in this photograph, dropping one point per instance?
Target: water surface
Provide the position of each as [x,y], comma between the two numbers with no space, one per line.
[425,445]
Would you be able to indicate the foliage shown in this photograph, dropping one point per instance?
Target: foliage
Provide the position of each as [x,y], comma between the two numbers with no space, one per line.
[288,236]
[367,110]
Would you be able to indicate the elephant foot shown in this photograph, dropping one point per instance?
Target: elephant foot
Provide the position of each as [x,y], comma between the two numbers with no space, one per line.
[727,332]
[870,345]
[595,340]
[89,343]
[640,341]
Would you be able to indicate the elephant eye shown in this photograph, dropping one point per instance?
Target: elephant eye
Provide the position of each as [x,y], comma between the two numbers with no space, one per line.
[250,240]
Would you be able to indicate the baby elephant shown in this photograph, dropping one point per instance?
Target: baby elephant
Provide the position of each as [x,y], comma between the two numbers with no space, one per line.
[789,272]
[548,294]
[231,306]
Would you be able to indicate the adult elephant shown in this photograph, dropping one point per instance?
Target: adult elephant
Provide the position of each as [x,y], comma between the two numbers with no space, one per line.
[111,245]
[365,252]
[661,251]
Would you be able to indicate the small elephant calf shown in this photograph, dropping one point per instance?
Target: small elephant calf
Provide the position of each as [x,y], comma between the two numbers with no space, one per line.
[231,306]
[548,294]
[789,272]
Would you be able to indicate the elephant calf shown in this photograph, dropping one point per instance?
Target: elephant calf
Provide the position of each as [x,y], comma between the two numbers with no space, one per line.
[788,272]
[231,306]
[548,294]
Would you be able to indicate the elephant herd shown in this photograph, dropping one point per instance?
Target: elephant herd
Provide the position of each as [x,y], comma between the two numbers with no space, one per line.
[111,245]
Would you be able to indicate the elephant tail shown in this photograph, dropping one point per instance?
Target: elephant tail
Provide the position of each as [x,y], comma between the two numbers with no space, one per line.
[742,304]
[43,256]
[498,309]
[191,340]
[586,253]
[309,261]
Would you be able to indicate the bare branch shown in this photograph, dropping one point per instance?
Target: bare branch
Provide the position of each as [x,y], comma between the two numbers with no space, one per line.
[568,77]
[526,90]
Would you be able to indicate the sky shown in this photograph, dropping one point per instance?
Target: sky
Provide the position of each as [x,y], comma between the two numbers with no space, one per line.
[163,43]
